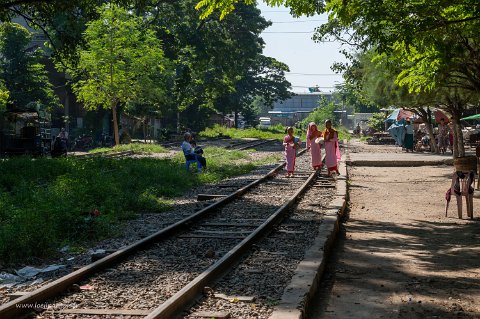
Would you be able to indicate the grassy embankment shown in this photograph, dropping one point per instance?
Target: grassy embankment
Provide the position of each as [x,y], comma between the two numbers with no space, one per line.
[48,203]
[275,132]
[136,147]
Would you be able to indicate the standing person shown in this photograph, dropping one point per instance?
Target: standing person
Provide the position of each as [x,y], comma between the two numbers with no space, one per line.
[332,151]
[315,148]
[408,142]
[450,135]
[442,136]
[291,143]
[63,136]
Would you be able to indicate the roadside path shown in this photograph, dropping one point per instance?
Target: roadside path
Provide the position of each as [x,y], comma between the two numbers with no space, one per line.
[398,256]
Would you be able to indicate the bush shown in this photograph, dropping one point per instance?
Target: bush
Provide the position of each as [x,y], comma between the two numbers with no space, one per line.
[275,131]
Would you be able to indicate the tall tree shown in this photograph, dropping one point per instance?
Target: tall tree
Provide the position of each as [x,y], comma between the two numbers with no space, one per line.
[24,77]
[121,63]
[203,50]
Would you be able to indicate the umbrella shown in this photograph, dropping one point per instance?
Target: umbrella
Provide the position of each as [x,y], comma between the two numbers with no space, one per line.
[472,117]
[399,114]
[437,115]
[397,132]
[440,115]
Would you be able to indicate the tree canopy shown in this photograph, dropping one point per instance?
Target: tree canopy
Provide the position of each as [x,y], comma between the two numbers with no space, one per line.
[201,52]
[122,63]
[23,77]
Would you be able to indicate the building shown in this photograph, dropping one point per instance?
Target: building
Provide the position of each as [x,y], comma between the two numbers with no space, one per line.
[297,107]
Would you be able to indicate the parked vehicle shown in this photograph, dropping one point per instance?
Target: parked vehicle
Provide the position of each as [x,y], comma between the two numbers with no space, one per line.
[83,142]
[265,122]
[106,140]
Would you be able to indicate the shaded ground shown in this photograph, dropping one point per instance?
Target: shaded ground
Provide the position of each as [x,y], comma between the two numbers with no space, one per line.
[398,255]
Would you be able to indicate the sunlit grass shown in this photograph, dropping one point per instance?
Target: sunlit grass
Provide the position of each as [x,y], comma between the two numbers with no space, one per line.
[273,132]
[136,147]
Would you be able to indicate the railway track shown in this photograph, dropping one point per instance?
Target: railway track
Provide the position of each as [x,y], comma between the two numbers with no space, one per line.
[244,145]
[215,237]
[106,154]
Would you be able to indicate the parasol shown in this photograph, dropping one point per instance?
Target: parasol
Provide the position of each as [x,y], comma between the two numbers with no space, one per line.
[399,114]
[472,117]
[440,115]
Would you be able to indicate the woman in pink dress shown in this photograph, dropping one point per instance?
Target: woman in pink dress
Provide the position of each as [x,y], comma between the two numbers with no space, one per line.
[291,143]
[332,151]
[315,148]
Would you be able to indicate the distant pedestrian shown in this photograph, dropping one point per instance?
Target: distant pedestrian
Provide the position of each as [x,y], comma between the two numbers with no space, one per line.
[450,135]
[408,141]
[332,150]
[442,136]
[291,143]
[315,148]
[63,134]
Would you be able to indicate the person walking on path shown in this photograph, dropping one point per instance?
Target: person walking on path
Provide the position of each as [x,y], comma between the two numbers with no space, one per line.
[315,148]
[332,150]
[291,143]
[408,141]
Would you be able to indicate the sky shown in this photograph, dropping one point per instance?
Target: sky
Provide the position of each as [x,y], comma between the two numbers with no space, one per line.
[289,40]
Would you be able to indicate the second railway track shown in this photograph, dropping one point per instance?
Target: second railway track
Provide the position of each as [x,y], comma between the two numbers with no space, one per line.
[181,259]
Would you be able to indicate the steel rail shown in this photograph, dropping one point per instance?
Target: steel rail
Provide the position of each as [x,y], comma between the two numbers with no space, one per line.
[175,304]
[18,307]
[255,144]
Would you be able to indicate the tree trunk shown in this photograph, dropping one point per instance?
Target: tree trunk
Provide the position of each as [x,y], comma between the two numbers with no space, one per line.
[236,118]
[144,131]
[115,123]
[178,122]
[458,147]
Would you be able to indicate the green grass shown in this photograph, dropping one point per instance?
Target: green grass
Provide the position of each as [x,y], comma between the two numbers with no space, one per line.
[136,147]
[275,131]
[343,134]
[47,203]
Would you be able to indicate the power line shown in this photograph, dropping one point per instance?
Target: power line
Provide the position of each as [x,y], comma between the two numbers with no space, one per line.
[281,32]
[299,21]
[306,87]
[313,74]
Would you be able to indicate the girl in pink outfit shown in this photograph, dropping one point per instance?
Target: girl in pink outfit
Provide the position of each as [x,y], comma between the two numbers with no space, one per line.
[291,144]
[315,148]
[332,151]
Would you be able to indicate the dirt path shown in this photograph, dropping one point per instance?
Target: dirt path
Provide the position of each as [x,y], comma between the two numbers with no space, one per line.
[398,256]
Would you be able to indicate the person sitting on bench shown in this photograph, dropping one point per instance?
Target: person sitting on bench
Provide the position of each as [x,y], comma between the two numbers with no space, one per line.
[189,151]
